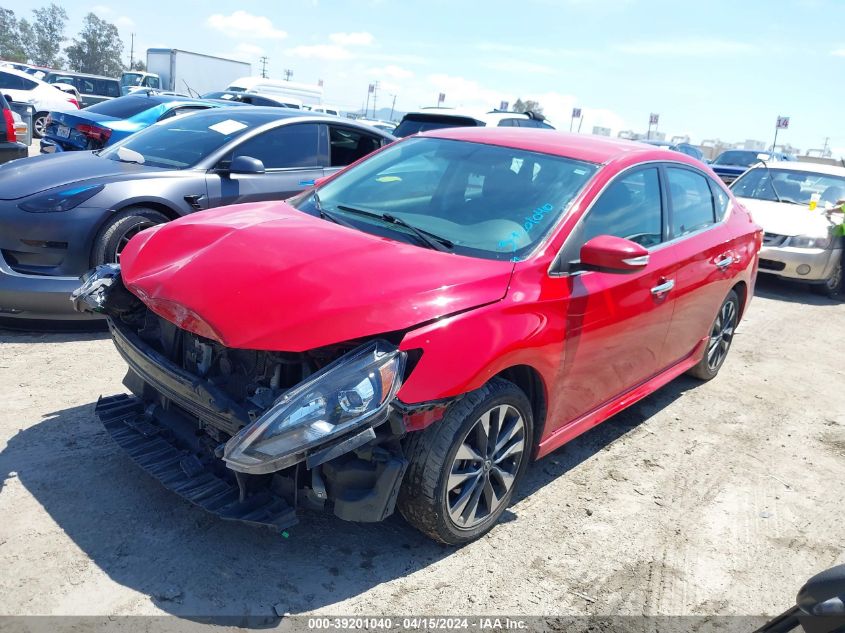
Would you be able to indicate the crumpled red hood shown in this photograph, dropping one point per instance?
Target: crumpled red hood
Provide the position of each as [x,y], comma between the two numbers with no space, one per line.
[266,276]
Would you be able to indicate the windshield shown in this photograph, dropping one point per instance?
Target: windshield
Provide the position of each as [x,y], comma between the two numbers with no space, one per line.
[741,159]
[122,107]
[414,123]
[181,142]
[789,186]
[488,201]
[131,79]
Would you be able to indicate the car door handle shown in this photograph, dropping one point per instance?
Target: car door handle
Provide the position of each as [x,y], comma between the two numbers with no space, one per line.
[725,262]
[663,288]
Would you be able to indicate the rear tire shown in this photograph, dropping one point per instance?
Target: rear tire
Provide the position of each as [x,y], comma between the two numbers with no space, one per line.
[833,286]
[458,484]
[119,230]
[39,124]
[720,339]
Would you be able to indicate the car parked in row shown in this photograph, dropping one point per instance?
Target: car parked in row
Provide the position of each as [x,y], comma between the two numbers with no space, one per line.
[92,89]
[252,98]
[138,80]
[10,147]
[800,243]
[437,118]
[731,164]
[60,214]
[416,329]
[108,122]
[18,86]
[684,148]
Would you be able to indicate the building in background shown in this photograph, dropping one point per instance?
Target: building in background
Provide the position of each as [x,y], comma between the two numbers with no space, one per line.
[601,131]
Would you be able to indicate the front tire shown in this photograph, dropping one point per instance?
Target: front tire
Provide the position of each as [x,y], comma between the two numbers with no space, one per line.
[833,285]
[117,232]
[464,469]
[721,337]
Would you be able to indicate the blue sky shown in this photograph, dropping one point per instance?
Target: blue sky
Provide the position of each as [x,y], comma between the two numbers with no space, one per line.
[712,69]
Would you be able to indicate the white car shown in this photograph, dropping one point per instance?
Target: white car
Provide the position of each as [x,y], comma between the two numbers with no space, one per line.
[44,97]
[800,243]
[434,118]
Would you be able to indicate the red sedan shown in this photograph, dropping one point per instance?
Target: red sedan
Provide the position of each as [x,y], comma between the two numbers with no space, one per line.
[414,330]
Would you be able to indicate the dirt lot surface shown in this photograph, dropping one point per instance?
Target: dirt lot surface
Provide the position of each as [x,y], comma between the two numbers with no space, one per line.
[717,498]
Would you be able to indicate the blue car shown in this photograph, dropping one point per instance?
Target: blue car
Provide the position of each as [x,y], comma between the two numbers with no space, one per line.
[111,121]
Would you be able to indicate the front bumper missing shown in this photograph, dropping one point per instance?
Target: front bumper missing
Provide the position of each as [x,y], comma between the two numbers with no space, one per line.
[157,450]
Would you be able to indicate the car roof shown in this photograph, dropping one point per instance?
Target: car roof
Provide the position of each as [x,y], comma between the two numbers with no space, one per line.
[794,165]
[20,73]
[71,73]
[267,114]
[480,115]
[586,147]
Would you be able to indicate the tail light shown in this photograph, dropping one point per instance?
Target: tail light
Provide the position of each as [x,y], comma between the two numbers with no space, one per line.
[94,132]
[74,102]
[9,121]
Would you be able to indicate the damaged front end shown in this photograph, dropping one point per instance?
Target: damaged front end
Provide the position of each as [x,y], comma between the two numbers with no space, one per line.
[252,435]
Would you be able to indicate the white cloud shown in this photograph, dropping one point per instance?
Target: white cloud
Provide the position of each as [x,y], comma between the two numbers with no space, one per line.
[391,70]
[519,67]
[463,92]
[839,52]
[241,24]
[328,52]
[693,47]
[339,49]
[105,12]
[352,39]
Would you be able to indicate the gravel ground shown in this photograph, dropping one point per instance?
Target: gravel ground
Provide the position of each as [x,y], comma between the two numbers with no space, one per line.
[717,498]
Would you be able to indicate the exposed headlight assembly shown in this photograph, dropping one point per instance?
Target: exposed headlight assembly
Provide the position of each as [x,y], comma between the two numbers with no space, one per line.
[352,393]
[808,241]
[60,200]
[91,295]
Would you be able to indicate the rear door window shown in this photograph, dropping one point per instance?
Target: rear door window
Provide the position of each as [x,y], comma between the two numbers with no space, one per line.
[347,145]
[9,81]
[691,200]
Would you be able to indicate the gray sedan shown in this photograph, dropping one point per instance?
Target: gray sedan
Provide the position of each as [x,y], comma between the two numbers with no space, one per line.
[62,214]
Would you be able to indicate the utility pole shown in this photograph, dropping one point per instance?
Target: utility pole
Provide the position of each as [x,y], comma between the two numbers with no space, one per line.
[288,73]
[131,50]
[392,107]
[375,94]
[263,61]
[826,146]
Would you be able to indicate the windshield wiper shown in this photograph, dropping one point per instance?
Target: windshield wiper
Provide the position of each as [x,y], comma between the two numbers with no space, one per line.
[431,240]
[771,181]
[326,215]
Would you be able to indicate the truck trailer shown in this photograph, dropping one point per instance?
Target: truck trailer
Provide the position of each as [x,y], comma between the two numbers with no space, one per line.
[193,73]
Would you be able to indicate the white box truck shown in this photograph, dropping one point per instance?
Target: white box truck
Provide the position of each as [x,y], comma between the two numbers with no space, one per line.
[193,73]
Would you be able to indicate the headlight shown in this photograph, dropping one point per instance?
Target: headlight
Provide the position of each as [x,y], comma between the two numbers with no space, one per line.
[351,393]
[807,241]
[61,200]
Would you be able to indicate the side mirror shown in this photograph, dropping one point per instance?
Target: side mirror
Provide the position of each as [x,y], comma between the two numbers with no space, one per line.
[246,165]
[824,593]
[607,253]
